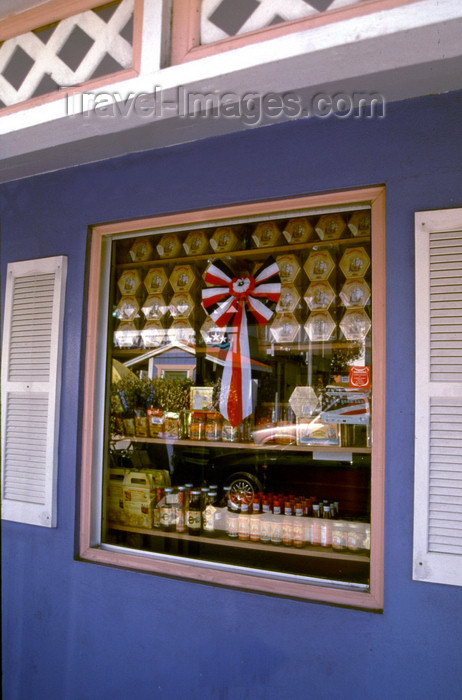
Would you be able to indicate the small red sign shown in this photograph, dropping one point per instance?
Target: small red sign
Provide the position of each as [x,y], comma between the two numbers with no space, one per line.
[360,377]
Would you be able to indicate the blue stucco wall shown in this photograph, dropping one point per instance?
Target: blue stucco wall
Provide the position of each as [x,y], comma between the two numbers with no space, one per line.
[77,631]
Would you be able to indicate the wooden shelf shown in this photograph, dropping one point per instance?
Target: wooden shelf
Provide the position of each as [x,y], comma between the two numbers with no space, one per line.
[246,445]
[223,540]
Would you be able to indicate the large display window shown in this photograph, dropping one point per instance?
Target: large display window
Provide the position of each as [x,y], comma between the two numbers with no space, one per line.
[234,421]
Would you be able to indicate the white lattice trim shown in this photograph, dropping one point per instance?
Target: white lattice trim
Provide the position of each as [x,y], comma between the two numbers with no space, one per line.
[262,16]
[107,40]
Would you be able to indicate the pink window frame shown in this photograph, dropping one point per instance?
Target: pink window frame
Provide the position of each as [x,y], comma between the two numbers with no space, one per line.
[57,10]
[368,600]
[186,46]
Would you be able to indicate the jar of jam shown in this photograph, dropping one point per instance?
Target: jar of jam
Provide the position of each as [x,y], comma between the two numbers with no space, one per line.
[213,426]
[230,433]
[197,426]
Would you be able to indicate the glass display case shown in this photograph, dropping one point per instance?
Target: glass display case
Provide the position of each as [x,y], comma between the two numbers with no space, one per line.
[238,420]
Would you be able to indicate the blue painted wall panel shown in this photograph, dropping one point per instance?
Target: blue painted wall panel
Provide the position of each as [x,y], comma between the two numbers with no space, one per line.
[77,631]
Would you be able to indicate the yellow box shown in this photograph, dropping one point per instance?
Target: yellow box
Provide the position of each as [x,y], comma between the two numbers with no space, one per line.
[139,497]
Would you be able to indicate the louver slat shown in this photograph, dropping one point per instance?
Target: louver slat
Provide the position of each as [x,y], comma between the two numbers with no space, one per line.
[34,304]
[31,328]
[445,254]
[438,410]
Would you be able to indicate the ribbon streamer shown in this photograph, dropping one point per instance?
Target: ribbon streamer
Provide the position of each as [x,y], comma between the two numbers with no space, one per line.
[230,304]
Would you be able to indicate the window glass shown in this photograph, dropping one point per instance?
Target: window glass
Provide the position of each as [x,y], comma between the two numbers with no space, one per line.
[238,407]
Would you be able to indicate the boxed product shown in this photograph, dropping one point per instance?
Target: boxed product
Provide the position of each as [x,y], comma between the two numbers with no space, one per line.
[319,326]
[115,495]
[129,282]
[127,335]
[266,234]
[288,300]
[355,262]
[225,239]
[285,328]
[182,278]
[153,334]
[196,243]
[141,250]
[289,267]
[154,307]
[169,246]
[360,223]
[355,292]
[127,309]
[298,230]
[319,295]
[139,499]
[155,280]
[330,227]
[313,432]
[181,331]
[319,265]
[181,305]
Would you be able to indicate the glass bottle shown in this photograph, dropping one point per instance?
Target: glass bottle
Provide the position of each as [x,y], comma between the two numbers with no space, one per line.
[244,522]
[209,513]
[276,523]
[316,526]
[194,519]
[180,520]
[255,518]
[298,526]
[326,527]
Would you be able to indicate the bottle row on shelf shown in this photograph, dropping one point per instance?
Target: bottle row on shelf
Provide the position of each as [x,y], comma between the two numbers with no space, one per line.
[277,519]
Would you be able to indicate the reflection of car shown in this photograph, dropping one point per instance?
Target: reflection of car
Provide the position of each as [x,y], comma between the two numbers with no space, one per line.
[247,471]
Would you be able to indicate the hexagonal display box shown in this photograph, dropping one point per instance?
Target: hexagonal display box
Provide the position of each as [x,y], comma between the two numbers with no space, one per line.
[153,334]
[127,335]
[288,300]
[225,239]
[330,227]
[196,243]
[169,246]
[298,230]
[266,234]
[356,324]
[320,326]
[156,280]
[285,328]
[355,293]
[303,401]
[154,307]
[182,278]
[289,267]
[355,262]
[319,265]
[319,295]
[181,331]
[141,250]
[181,305]
[127,309]
[360,223]
[129,282]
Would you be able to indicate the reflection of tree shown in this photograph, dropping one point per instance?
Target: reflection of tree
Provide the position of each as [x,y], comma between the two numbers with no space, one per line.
[342,358]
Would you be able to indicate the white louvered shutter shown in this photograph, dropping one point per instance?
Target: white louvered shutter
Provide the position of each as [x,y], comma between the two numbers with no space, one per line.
[31,382]
[438,410]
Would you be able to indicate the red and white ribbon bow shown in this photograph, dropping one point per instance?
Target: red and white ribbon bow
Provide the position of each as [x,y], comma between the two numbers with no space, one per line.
[229,305]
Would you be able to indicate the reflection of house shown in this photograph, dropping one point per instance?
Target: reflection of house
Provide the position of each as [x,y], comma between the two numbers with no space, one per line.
[122,147]
[180,360]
